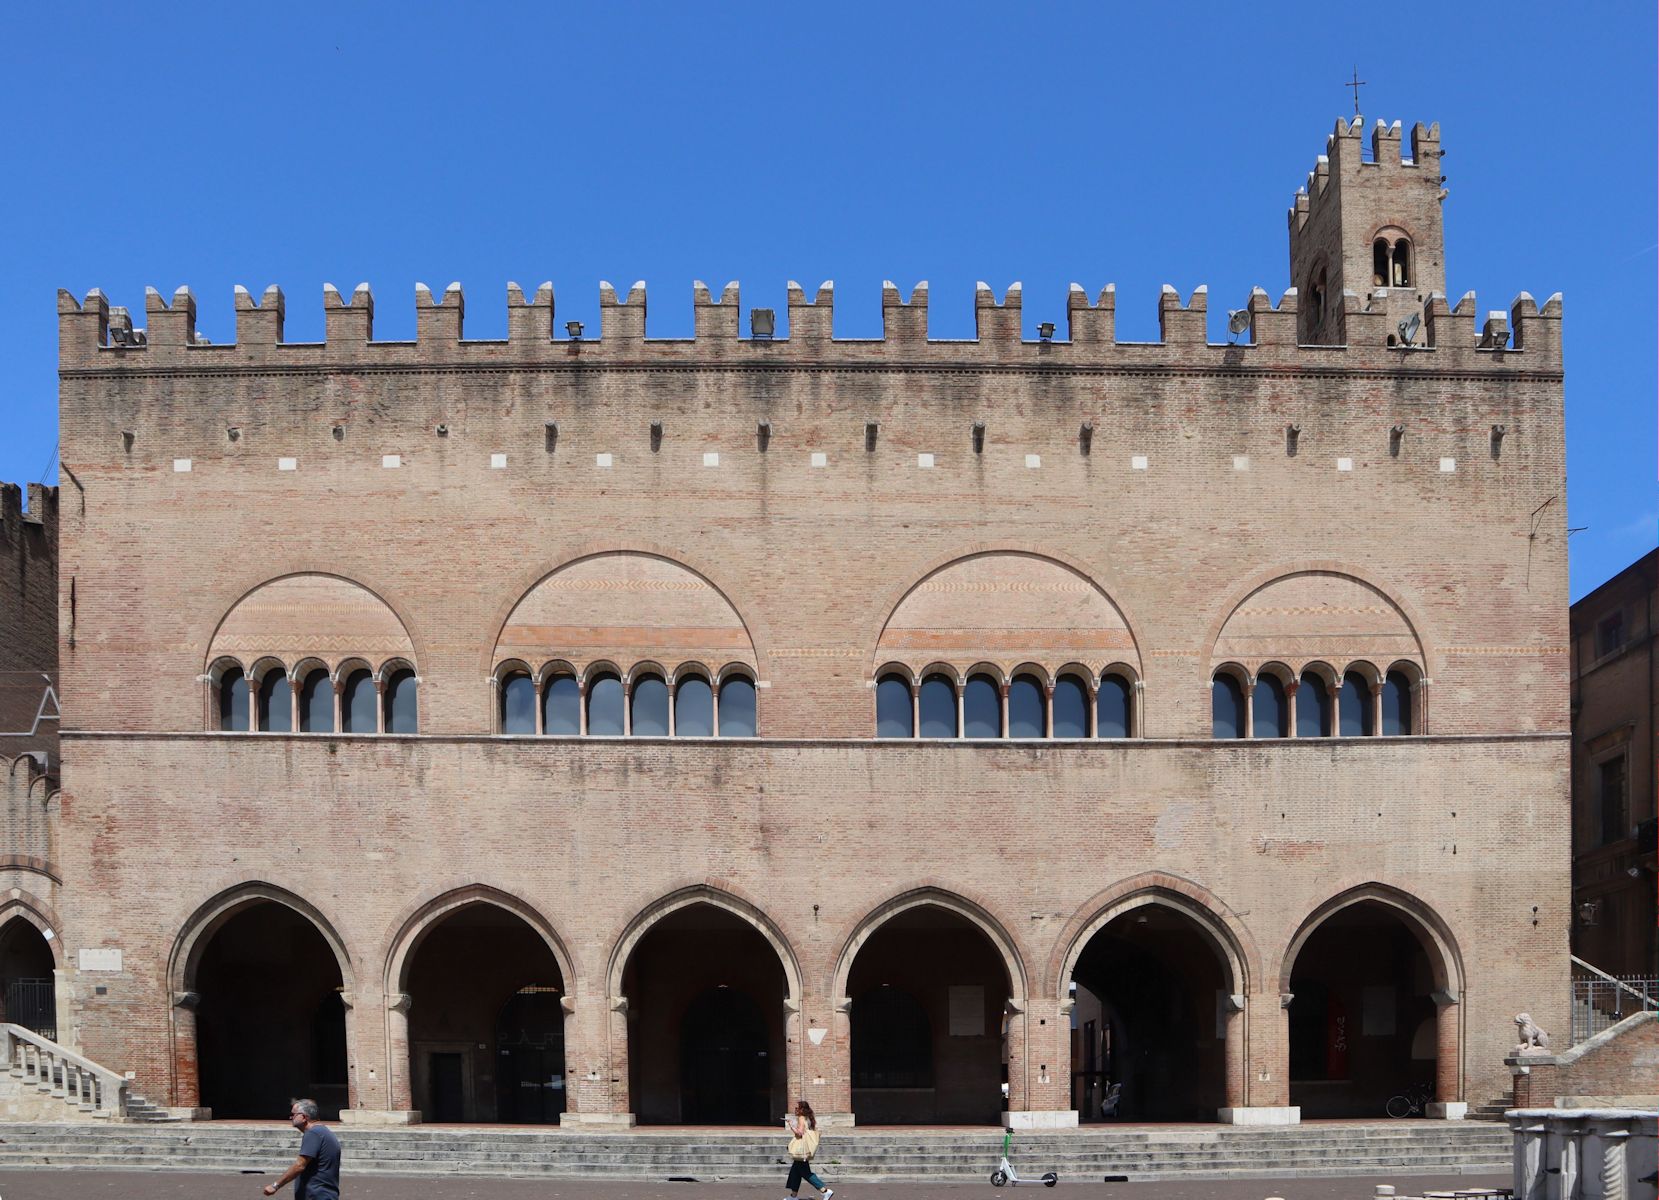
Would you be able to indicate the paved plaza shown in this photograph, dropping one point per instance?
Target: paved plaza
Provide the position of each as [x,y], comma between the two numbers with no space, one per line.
[151,1185]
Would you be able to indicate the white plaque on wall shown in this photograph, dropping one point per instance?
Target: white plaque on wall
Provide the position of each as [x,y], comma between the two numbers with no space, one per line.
[101,958]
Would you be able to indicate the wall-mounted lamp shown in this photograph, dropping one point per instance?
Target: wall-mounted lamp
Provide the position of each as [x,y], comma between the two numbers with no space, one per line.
[1085,438]
[1395,436]
[763,436]
[979,437]
[1293,435]
[1046,331]
[656,436]
[574,329]
[763,322]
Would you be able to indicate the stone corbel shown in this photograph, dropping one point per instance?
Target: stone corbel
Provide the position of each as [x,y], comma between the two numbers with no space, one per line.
[1285,998]
[1014,1004]
[1235,1002]
[1443,998]
[619,1004]
[348,1001]
[844,1004]
[187,1000]
[791,1006]
[568,1003]
[400,1002]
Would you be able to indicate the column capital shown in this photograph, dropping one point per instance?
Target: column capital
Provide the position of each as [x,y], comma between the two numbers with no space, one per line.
[400,1002]
[187,1000]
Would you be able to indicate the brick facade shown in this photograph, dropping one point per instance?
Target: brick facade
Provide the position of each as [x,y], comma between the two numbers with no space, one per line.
[813,514]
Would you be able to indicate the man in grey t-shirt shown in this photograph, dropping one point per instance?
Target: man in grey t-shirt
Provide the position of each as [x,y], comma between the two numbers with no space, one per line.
[317,1169]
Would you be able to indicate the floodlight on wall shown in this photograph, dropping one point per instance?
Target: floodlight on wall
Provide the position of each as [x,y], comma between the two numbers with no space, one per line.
[763,436]
[1395,436]
[121,331]
[763,323]
[1408,328]
[1238,321]
[1046,331]
[1085,438]
[656,436]
[1293,435]
[979,437]
[574,329]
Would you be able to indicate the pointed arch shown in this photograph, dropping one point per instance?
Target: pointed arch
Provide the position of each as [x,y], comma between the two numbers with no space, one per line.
[930,896]
[198,930]
[32,910]
[408,934]
[716,897]
[1431,930]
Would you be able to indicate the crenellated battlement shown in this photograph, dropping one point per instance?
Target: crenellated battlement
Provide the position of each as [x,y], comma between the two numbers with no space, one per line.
[1344,158]
[94,337]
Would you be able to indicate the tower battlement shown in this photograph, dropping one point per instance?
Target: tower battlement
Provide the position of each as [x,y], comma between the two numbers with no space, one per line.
[1344,156]
[92,338]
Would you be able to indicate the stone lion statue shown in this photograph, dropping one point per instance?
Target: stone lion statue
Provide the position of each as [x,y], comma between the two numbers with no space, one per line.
[1533,1039]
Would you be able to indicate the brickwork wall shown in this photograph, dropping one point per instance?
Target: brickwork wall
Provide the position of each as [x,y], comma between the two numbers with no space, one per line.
[28,618]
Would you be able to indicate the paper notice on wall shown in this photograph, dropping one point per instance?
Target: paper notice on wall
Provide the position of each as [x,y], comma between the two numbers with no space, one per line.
[101,958]
[967,1011]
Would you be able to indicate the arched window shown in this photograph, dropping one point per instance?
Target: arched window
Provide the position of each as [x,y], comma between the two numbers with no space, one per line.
[233,701]
[357,703]
[1025,707]
[561,706]
[693,707]
[1071,708]
[1354,704]
[1271,711]
[518,704]
[317,702]
[605,706]
[1112,717]
[981,708]
[737,707]
[1379,263]
[649,711]
[401,714]
[894,714]
[276,703]
[1402,263]
[1226,707]
[1313,706]
[938,707]
[1396,704]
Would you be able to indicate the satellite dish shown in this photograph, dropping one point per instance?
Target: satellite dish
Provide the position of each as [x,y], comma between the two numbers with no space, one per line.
[1409,328]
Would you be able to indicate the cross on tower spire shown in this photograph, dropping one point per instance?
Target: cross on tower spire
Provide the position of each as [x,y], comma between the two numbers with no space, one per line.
[1356,83]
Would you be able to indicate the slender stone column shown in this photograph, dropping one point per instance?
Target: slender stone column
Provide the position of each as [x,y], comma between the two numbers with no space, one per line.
[1039,1065]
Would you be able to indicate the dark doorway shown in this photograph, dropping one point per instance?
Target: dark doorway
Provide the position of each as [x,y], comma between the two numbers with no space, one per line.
[485,995]
[928,991]
[705,1022]
[1362,1020]
[724,1060]
[1152,982]
[26,982]
[271,1023]
[445,1072]
[530,1057]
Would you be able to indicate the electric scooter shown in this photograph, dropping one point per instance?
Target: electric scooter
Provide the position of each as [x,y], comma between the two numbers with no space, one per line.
[1005,1175]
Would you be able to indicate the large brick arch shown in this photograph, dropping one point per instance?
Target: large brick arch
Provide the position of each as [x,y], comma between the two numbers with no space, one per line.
[1317,610]
[310,614]
[625,604]
[931,896]
[1008,604]
[715,896]
[1232,939]
[198,930]
[1431,930]
[410,931]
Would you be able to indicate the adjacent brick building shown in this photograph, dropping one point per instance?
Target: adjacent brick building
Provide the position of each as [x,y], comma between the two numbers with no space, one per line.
[572,727]
[1615,682]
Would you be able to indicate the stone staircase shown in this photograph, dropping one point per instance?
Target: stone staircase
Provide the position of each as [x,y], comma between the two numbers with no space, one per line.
[706,1155]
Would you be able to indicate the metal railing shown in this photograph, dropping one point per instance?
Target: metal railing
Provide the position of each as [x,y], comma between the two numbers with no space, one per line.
[1601,1001]
[75,1080]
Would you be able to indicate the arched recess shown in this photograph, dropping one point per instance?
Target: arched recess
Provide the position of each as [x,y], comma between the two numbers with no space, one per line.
[625,606]
[705,992]
[933,991]
[1156,972]
[241,1042]
[1373,964]
[31,955]
[1007,606]
[478,985]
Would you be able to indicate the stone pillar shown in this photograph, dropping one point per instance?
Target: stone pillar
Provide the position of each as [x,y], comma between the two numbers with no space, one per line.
[1039,1065]
[376,1100]
[1291,689]
[596,1063]
[1449,1103]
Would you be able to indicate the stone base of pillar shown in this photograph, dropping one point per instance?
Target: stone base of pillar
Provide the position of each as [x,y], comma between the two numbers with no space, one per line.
[190,1114]
[1264,1115]
[577,1120]
[1043,1118]
[1449,1110]
[380,1116]
[836,1120]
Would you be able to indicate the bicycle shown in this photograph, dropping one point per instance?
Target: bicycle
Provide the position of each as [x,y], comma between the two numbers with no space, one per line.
[1413,1102]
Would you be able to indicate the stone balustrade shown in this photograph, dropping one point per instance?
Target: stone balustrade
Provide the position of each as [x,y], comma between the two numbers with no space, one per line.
[1585,1153]
[80,1084]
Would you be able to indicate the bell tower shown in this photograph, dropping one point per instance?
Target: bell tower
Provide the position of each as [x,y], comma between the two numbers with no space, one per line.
[1369,226]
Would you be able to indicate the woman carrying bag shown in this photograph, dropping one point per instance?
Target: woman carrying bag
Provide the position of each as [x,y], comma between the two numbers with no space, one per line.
[803,1144]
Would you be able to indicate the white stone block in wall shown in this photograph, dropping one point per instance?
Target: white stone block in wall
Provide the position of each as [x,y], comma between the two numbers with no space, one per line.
[711,459]
[1345,464]
[1138,462]
[1033,461]
[100,958]
[181,466]
[288,464]
[391,460]
[820,459]
[1448,465]
[924,460]
[497,461]
[1241,462]
[601,460]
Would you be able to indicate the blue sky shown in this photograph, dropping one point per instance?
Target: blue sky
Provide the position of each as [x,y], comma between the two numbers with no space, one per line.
[212,145]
